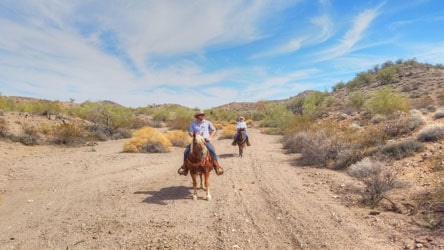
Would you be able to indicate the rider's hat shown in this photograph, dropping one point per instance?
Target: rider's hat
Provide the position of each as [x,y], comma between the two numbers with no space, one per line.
[241,118]
[199,113]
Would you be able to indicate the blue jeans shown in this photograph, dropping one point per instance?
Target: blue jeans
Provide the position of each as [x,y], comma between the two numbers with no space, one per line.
[209,146]
[237,133]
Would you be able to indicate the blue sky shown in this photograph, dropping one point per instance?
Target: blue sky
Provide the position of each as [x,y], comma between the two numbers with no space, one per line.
[202,53]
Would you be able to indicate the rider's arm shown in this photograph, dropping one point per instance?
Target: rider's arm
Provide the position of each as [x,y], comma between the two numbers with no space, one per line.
[212,133]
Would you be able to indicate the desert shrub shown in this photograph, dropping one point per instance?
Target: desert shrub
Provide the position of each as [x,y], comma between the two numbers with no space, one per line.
[3,128]
[276,116]
[228,131]
[376,119]
[121,133]
[99,132]
[386,101]
[347,154]
[7,104]
[180,118]
[298,123]
[29,137]
[71,134]
[363,78]
[221,114]
[105,114]
[178,138]
[45,128]
[314,102]
[438,114]
[377,177]
[317,147]
[371,137]
[431,133]
[153,147]
[295,143]
[149,140]
[338,86]
[402,149]
[401,124]
[387,74]
[416,119]
[357,100]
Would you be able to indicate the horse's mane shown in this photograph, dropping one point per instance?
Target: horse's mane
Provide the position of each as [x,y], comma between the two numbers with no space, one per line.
[201,140]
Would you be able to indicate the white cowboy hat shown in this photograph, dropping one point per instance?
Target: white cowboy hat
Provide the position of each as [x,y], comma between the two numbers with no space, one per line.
[241,118]
[199,113]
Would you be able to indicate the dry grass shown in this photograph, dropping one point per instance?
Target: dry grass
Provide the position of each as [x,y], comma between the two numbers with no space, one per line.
[228,131]
[178,138]
[147,140]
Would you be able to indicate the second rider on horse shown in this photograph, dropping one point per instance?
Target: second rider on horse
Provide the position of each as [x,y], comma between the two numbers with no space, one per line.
[241,128]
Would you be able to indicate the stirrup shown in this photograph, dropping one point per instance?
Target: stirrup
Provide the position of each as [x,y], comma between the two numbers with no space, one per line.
[182,171]
[219,170]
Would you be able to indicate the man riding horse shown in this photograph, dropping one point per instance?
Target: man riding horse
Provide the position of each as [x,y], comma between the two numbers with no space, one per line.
[241,128]
[207,130]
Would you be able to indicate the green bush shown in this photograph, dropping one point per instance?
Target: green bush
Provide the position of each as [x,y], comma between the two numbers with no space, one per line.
[338,86]
[387,74]
[107,114]
[357,100]
[386,101]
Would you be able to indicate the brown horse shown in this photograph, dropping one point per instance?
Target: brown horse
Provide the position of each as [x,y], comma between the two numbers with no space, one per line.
[200,162]
[241,141]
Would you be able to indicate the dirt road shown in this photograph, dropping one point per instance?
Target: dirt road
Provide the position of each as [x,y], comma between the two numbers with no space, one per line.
[99,198]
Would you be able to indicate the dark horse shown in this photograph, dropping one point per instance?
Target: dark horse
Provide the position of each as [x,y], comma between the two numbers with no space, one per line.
[200,162]
[241,141]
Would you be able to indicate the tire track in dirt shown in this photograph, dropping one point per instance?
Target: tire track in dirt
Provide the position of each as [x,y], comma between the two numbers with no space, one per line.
[275,210]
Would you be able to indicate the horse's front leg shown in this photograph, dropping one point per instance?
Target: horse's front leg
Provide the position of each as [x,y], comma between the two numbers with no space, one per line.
[201,182]
[193,176]
[207,184]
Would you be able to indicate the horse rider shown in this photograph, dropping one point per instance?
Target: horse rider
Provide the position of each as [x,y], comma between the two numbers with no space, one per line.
[241,126]
[199,126]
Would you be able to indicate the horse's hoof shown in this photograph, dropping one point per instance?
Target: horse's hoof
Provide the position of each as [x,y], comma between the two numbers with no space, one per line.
[209,198]
[194,197]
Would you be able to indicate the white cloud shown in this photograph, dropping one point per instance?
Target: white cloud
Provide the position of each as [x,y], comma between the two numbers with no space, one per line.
[351,37]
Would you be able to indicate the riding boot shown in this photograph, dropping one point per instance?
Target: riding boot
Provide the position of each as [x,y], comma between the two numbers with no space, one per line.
[248,143]
[183,170]
[218,168]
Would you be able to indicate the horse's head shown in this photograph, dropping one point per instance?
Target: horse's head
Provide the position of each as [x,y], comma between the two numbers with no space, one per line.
[198,146]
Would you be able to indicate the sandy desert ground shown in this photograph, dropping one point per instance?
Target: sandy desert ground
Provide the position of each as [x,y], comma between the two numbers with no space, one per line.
[96,197]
